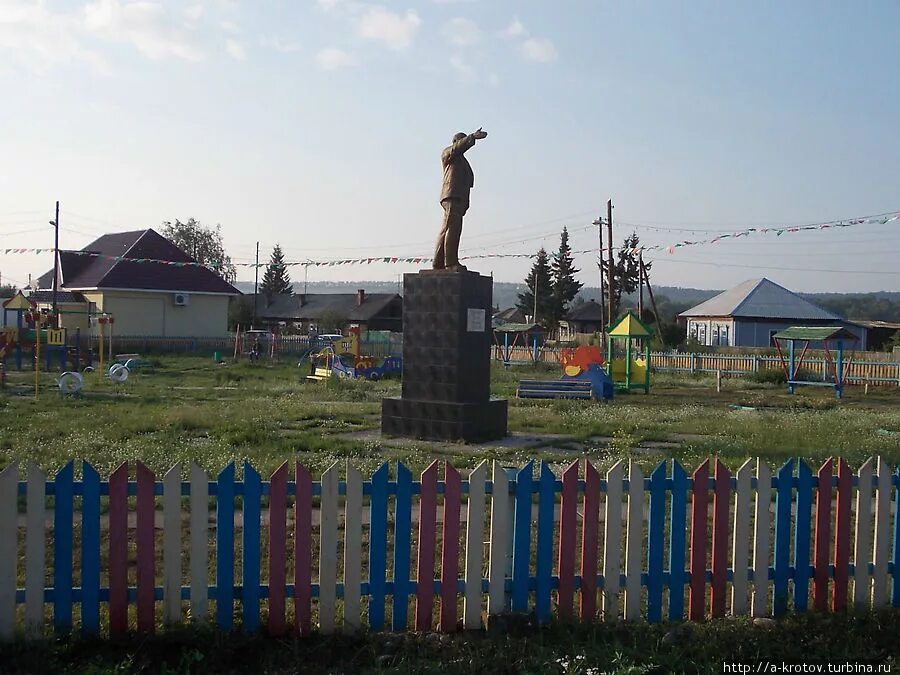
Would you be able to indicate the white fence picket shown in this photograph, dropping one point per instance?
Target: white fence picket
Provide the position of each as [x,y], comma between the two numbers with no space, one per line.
[882,535]
[634,539]
[172,545]
[499,544]
[612,547]
[474,548]
[761,531]
[9,489]
[740,555]
[328,549]
[862,549]
[352,548]
[35,551]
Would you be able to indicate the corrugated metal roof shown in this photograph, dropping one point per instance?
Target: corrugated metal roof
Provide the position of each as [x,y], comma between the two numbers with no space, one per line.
[760,299]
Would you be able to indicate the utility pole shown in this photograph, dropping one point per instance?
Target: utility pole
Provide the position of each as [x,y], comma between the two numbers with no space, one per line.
[641,285]
[643,272]
[255,286]
[55,224]
[534,320]
[599,224]
[609,268]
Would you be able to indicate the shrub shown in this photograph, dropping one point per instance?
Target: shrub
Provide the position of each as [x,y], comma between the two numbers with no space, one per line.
[775,375]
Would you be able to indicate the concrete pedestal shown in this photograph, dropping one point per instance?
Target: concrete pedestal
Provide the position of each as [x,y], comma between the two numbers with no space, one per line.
[446,361]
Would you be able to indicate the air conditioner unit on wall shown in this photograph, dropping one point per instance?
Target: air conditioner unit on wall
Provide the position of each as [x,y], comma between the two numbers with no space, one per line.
[181,299]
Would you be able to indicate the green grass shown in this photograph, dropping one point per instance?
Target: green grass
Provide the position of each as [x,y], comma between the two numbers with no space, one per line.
[191,410]
[622,648]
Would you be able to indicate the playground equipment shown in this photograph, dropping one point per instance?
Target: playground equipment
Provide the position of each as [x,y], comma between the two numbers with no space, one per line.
[19,337]
[71,382]
[118,373]
[583,377]
[336,359]
[835,368]
[626,371]
[516,334]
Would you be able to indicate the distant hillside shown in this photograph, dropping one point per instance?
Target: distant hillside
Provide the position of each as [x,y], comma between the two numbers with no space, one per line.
[882,306]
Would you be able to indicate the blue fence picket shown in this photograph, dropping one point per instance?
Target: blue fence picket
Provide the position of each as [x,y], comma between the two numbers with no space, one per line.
[225,547]
[656,536]
[90,550]
[251,546]
[521,556]
[378,547]
[677,537]
[895,554]
[782,536]
[546,502]
[62,550]
[802,531]
[402,525]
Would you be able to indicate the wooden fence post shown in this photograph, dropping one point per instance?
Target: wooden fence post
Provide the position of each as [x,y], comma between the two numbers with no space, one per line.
[693,363]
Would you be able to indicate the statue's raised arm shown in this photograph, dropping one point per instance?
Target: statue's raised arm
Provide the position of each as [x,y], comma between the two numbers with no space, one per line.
[458,181]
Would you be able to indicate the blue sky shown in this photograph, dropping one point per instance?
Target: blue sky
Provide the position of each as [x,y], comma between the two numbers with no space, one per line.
[319,124]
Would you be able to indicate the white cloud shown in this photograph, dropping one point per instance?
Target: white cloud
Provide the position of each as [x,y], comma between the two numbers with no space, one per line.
[236,49]
[332,58]
[230,27]
[37,39]
[328,5]
[463,70]
[515,29]
[539,49]
[461,32]
[494,80]
[194,12]
[280,45]
[394,30]
[142,23]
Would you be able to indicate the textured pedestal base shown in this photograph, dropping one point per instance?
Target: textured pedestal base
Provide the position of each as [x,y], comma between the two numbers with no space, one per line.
[444,420]
[446,388]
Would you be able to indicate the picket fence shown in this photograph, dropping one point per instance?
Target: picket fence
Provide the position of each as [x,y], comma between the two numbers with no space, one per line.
[668,545]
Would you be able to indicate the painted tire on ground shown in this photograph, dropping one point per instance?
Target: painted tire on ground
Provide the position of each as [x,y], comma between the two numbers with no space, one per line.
[118,373]
[71,382]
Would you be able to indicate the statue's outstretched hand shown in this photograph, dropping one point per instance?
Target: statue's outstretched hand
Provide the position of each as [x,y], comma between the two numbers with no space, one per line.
[480,134]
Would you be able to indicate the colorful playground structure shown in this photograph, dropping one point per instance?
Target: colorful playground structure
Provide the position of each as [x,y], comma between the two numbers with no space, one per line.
[583,377]
[26,345]
[829,336]
[337,358]
[627,370]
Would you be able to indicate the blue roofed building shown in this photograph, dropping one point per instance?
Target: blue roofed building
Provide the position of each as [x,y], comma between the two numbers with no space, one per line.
[749,314]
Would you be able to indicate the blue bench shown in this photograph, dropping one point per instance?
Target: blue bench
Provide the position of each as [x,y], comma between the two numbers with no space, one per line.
[556,389]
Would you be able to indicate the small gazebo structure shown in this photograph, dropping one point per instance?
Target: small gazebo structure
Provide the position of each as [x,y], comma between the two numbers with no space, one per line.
[526,335]
[829,336]
[626,370]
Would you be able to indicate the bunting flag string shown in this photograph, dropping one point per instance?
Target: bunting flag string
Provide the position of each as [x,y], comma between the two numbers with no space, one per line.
[669,248]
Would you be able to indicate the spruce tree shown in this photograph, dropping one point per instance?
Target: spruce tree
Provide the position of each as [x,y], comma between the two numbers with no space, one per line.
[276,280]
[565,286]
[541,274]
[626,271]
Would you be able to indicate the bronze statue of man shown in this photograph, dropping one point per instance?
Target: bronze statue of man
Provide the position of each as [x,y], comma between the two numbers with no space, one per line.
[458,180]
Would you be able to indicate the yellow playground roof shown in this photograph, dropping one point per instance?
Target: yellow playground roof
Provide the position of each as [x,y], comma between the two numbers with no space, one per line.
[18,301]
[630,326]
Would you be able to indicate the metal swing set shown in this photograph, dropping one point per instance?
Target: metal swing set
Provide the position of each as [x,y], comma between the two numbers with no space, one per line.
[835,366]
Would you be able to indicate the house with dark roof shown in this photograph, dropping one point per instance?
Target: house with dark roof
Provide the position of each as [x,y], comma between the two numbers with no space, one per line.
[324,312]
[588,317]
[749,314]
[508,315]
[150,287]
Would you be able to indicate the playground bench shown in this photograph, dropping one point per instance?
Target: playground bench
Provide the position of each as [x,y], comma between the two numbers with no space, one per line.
[556,389]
